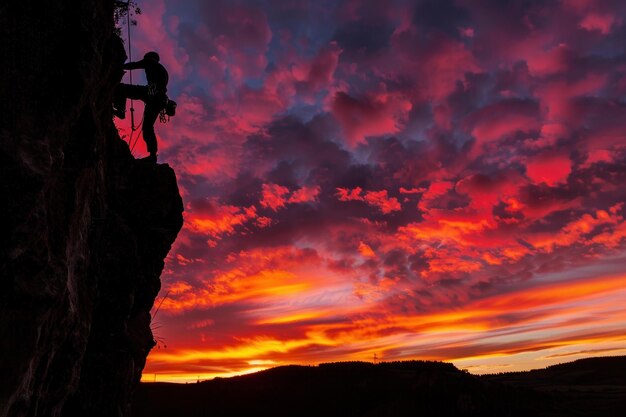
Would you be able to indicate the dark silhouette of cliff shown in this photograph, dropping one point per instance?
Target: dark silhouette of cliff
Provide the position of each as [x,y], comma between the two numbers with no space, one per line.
[84,226]
[589,388]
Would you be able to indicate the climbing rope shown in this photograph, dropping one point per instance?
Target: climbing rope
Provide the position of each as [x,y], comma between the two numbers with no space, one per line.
[130,71]
[136,137]
[159,307]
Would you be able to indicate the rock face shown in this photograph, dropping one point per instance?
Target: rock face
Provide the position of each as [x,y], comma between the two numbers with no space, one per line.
[84,227]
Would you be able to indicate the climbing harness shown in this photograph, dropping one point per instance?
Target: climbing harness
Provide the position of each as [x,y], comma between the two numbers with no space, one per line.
[152,90]
[163,117]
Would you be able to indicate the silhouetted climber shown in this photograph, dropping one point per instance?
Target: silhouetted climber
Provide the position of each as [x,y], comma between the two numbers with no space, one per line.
[153,95]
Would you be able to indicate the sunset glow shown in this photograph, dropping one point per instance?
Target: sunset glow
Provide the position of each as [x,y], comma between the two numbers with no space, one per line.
[438,180]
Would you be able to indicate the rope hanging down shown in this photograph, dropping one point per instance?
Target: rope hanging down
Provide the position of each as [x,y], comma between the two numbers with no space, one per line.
[130,140]
[130,71]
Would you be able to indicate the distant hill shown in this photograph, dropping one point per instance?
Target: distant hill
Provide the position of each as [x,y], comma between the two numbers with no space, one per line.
[412,388]
[586,387]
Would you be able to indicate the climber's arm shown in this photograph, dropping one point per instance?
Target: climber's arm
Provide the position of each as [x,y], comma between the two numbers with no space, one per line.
[134,65]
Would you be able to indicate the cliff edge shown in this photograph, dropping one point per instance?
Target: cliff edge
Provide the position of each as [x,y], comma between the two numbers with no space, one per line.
[84,226]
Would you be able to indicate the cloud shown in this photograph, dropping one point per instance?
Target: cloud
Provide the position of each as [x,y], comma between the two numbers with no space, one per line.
[375,115]
[550,169]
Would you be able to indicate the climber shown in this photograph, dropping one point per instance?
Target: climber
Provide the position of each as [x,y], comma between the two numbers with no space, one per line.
[153,95]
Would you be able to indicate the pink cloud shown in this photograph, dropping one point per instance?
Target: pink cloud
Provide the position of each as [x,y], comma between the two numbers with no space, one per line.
[436,66]
[598,155]
[320,71]
[554,60]
[501,119]
[556,97]
[157,34]
[602,23]
[374,115]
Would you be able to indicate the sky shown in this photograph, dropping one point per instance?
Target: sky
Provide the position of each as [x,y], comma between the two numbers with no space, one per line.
[437,180]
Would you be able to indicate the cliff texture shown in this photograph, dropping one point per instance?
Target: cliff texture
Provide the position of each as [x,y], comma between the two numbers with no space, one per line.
[84,227]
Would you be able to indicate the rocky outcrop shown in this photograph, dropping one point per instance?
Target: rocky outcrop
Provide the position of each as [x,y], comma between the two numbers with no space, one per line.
[84,226]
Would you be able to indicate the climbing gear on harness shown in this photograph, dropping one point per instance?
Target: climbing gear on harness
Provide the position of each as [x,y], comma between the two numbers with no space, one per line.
[170,108]
[152,90]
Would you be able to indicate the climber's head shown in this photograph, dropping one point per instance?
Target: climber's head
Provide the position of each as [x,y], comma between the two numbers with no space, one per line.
[152,55]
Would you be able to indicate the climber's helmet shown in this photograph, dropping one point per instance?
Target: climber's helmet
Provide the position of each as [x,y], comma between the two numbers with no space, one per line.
[152,55]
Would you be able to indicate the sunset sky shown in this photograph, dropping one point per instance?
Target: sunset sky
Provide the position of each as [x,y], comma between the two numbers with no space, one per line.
[438,180]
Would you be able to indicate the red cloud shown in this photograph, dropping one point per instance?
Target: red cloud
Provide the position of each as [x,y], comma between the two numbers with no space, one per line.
[556,97]
[550,169]
[345,194]
[155,35]
[305,195]
[276,196]
[504,118]
[602,23]
[319,72]
[375,115]
[379,199]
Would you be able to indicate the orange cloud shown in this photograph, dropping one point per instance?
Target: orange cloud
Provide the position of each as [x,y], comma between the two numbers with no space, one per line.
[223,220]
[235,285]
[381,200]
[274,196]
[577,230]
[305,195]
[366,251]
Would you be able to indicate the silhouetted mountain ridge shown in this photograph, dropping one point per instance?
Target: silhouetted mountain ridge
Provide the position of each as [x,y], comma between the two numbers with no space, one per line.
[587,387]
[608,370]
[405,388]
[413,388]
